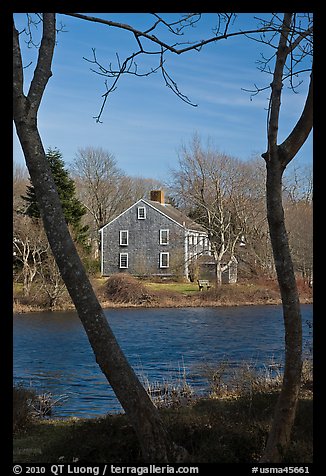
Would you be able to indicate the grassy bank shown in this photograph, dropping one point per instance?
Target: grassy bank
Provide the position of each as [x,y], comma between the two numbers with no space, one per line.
[127,291]
[229,426]
[212,430]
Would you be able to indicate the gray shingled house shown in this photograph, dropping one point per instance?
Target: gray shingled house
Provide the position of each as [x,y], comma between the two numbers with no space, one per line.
[151,238]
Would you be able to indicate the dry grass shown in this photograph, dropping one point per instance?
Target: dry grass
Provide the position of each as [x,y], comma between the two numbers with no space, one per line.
[213,430]
[124,290]
[22,408]
[242,294]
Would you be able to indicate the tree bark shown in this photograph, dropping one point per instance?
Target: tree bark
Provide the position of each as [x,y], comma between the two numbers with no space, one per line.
[218,274]
[277,157]
[154,440]
[279,436]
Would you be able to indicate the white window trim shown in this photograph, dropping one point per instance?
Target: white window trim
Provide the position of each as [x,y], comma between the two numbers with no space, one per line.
[138,215]
[120,237]
[161,259]
[120,264]
[167,237]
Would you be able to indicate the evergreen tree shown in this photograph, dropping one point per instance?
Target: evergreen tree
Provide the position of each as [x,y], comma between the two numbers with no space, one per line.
[73,209]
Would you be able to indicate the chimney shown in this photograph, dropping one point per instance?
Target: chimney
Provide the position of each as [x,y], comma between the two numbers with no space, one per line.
[157,196]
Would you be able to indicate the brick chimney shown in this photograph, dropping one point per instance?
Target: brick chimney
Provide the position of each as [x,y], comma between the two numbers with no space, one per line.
[157,196]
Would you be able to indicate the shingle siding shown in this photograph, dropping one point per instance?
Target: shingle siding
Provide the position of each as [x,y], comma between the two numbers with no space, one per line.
[144,246]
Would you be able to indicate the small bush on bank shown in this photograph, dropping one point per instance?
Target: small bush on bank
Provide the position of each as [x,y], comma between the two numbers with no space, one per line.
[227,381]
[125,289]
[28,406]
[22,408]
[170,394]
[42,298]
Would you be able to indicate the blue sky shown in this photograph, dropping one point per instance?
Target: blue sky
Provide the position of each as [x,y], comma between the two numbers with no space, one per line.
[144,123]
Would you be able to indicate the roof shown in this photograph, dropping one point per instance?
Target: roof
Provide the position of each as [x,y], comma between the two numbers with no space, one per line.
[176,215]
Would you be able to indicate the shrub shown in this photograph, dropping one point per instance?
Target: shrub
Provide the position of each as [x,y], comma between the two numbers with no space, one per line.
[124,288]
[174,393]
[242,293]
[244,379]
[22,408]
[307,374]
[92,266]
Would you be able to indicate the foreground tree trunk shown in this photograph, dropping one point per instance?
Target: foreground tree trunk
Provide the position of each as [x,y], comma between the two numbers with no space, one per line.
[279,436]
[155,443]
[277,158]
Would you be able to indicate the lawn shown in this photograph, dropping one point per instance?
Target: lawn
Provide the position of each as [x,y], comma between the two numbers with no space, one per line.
[183,288]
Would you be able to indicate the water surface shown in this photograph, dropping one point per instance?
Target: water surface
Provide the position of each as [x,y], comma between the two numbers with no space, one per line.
[52,352]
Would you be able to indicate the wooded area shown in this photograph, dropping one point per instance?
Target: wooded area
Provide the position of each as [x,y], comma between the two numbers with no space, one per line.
[233,194]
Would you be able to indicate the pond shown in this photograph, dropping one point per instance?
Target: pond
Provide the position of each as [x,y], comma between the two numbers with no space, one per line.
[52,352]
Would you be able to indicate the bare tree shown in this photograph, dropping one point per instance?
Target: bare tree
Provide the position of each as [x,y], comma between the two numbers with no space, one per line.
[99,186]
[299,223]
[298,210]
[100,183]
[50,280]
[153,438]
[208,183]
[29,249]
[20,181]
[140,187]
[277,157]
[104,189]
[250,192]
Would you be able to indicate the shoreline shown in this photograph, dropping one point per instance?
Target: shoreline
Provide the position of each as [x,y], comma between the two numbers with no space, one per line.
[210,427]
[19,308]
[126,292]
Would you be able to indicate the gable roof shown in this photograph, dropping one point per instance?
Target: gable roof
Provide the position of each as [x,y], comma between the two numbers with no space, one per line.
[176,215]
[170,212]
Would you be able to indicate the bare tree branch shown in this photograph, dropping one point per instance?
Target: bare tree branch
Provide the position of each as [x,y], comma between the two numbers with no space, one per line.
[18,78]
[124,26]
[272,27]
[291,145]
[176,28]
[277,83]
[42,71]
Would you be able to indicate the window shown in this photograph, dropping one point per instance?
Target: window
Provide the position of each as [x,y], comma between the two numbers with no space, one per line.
[123,262]
[141,213]
[124,235]
[164,260]
[164,237]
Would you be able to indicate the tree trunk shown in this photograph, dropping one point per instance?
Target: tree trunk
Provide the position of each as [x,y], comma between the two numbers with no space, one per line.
[154,441]
[277,157]
[218,274]
[279,436]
